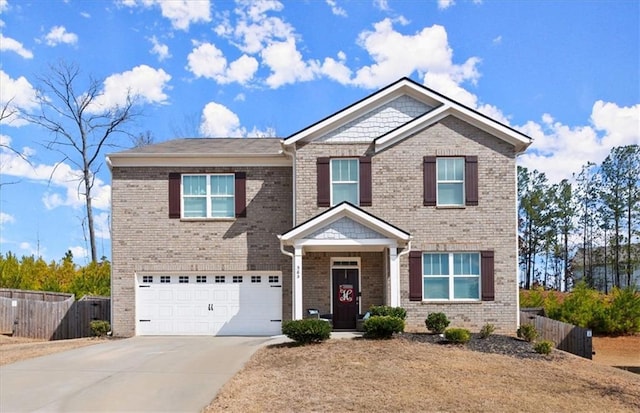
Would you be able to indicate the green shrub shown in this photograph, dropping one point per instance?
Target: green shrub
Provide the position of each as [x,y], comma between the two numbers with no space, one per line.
[436,322]
[531,298]
[399,312]
[584,307]
[527,332]
[457,335]
[307,331]
[487,330]
[99,328]
[544,347]
[382,326]
[622,316]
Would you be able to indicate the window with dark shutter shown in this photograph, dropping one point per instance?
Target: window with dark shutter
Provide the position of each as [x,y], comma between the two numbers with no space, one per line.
[429,180]
[365,181]
[415,275]
[487,264]
[241,194]
[324,182]
[471,180]
[174,195]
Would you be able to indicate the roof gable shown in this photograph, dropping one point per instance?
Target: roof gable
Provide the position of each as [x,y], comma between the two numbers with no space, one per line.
[436,107]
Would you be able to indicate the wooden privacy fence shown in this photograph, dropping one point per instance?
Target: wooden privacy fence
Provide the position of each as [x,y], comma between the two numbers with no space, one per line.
[569,338]
[50,316]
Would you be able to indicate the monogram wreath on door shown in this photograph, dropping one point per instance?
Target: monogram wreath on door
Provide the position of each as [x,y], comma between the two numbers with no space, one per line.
[345,293]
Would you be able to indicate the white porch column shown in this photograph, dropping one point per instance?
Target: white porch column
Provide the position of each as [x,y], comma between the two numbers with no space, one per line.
[394,277]
[297,284]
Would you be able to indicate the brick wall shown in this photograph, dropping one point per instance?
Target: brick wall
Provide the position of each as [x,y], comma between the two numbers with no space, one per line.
[146,240]
[398,199]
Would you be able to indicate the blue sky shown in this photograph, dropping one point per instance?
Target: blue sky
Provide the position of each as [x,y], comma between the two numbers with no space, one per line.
[564,72]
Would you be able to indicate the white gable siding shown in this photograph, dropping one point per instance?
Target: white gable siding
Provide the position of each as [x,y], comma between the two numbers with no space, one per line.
[345,228]
[377,122]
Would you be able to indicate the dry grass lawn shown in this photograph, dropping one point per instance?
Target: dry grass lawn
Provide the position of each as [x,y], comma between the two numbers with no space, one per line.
[404,376]
[14,349]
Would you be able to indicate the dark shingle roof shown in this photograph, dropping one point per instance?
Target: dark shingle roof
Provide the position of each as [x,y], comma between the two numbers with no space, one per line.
[208,146]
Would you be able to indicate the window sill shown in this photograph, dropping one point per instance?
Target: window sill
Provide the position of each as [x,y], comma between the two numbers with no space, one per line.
[207,219]
[430,302]
[451,206]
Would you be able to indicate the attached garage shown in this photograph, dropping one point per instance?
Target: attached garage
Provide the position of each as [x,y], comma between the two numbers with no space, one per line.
[209,304]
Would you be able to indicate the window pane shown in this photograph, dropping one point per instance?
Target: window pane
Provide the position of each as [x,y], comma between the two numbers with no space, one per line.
[450,169]
[195,207]
[435,264]
[222,185]
[344,170]
[436,288]
[466,264]
[450,194]
[222,207]
[194,185]
[466,287]
[345,192]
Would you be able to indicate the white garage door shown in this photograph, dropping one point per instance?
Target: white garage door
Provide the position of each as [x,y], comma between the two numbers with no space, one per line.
[208,304]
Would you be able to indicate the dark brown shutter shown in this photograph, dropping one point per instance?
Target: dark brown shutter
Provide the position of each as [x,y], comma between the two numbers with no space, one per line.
[415,275]
[174,195]
[429,180]
[324,182]
[365,181]
[487,278]
[241,194]
[471,180]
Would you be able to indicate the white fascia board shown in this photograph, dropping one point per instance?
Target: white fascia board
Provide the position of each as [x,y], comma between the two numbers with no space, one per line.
[371,242]
[344,210]
[196,160]
[366,105]
[410,128]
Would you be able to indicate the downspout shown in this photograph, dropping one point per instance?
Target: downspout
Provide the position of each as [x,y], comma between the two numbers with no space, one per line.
[291,154]
[400,254]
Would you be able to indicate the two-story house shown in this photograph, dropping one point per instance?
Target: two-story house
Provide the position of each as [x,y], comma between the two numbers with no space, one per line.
[405,198]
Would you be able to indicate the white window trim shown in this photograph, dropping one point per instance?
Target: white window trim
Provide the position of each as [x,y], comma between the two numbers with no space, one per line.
[357,182]
[462,181]
[208,196]
[451,277]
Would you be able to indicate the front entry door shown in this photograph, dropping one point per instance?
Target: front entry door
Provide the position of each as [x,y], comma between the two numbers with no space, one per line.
[345,297]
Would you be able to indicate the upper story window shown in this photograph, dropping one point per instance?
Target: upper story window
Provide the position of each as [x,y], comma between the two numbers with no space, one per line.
[208,196]
[344,181]
[450,181]
[451,276]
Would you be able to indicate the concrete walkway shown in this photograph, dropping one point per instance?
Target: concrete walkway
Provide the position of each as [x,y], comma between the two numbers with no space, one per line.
[140,374]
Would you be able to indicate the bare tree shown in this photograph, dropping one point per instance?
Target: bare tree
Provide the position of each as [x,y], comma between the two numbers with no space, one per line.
[80,128]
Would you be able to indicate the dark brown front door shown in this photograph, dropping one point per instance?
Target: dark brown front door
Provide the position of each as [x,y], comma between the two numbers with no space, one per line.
[345,297]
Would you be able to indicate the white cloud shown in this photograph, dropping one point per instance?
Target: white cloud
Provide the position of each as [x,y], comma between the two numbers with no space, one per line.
[58,35]
[208,61]
[12,45]
[335,9]
[220,122]
[102,226]
[4,5]
[85,14]
[497,40]
[6,218]
[560,150]
[396,55]
[286,64]
[445,4]
[337,69]
[79,252]
[61,179]
[181,13]
[381,4]
[159,49]
[142,82]
[16,94]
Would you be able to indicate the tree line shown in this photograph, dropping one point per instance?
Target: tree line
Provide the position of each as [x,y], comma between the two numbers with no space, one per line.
[31,273]
[588,228]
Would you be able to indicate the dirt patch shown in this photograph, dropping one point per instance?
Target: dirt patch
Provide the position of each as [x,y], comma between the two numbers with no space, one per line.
[14,349]
[409,375]
[617,351]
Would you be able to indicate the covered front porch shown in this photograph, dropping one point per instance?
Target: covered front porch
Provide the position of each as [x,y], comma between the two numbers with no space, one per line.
[343,261]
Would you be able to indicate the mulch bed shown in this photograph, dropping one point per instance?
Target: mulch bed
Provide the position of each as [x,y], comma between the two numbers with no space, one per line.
[495,343]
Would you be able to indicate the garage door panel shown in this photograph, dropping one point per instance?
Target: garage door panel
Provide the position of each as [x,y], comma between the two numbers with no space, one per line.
[208,308]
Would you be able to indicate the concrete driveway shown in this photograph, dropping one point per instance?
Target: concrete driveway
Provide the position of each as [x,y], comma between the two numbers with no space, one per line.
[141,374]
